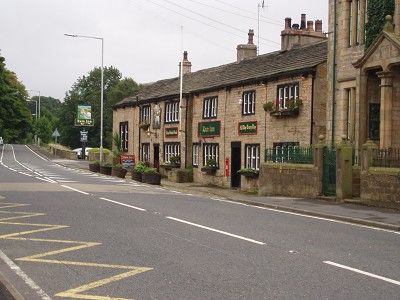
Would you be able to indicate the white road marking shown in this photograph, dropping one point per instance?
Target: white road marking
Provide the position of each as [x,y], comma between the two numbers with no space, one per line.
[311,217]
[71,188]
[66,181]
[216,230]
[35,153]
[363,272]
[24,277]
[123,204]
[176,192]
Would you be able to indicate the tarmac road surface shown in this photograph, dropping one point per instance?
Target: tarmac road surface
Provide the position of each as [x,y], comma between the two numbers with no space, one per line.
[72,234]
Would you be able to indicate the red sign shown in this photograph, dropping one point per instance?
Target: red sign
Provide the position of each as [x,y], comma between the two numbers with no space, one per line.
[127,161]
[227,167]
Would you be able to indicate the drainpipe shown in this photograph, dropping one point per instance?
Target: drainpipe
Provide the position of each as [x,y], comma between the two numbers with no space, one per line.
[186,131]
[334,71]
[139,136]
[312,109]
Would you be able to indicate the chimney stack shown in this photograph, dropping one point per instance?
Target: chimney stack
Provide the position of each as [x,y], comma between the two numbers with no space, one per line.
[305,33]
[303,21]
[187,65]
[318,25]
[249,50]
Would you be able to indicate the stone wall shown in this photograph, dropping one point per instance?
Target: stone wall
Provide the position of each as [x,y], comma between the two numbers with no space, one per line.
[289,180]
[356,181]
[381,187]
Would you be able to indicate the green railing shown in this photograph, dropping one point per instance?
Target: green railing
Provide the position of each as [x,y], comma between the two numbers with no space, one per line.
[293,155]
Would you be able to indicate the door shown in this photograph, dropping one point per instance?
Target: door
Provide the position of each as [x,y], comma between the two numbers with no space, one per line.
[156,152]
[235,164]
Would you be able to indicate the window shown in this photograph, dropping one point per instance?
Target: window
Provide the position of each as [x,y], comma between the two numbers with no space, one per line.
[195,154]
[123,133]
[249,103]
[210,151]
[282,151]
[145,154]
[172,112]
[210,107]
[171,149]
[145,114]
[253,156]
[288,95]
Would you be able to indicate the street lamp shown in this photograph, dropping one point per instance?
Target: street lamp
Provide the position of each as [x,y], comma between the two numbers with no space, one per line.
[36,116]
[102,79]
[37,111]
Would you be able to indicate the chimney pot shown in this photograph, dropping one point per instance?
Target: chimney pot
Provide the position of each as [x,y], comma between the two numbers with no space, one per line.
[288,23]
[310,25]
[251,35]
[318,25]
[296,26]
[187,65]
[185,55]
[303,21]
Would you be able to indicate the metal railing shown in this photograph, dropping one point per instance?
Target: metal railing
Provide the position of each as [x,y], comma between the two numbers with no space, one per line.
[386,158]
[293,155]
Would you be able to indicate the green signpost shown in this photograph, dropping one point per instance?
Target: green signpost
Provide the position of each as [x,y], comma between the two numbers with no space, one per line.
[171,132]
[210,128]
[247,128]
[84,116]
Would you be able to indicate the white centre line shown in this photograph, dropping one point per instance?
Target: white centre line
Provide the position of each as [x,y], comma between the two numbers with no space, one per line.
[123,204]
[216,230]
[362,272]
[68,187]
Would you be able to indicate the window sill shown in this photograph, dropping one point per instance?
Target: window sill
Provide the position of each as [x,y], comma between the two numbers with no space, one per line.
[290,112]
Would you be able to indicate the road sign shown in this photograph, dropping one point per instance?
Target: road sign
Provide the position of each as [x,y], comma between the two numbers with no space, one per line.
[84,136]
[55,134]
[82,122]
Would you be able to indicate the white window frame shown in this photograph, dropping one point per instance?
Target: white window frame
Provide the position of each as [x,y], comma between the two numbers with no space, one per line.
[196,155]
[252,152]
[145,153]
[172,112]
[285,94]
[210,107]
[249,103]
[210,151]
[145,114]
[171,149]
[123,134]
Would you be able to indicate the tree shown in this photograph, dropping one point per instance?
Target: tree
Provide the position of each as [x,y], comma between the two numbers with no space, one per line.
[377,11]
[86,90]
[15,117]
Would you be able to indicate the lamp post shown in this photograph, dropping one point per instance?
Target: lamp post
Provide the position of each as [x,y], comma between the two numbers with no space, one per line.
[102,83]
[36,115]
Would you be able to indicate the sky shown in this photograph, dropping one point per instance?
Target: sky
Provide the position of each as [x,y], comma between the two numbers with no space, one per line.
[142,38]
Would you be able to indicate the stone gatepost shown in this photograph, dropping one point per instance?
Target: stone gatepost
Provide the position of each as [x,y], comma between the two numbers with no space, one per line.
[344,170]
[367,155]
[319,160]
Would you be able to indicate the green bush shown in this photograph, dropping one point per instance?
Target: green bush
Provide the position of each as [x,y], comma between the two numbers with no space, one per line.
[150,171]
[106,164]
[140,167]
[97,151]
[96,162]
[248,172]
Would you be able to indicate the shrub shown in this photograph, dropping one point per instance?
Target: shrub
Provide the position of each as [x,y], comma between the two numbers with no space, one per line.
[268,106]
[248,172]
[150,171]
[140,167]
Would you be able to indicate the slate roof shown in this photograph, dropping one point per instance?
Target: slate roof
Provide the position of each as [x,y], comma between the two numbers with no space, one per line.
[262,67]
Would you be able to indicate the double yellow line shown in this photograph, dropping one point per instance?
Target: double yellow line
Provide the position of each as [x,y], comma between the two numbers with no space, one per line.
[77,292]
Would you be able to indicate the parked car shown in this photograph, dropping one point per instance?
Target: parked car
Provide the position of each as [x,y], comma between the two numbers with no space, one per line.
[1,141]
[78,152]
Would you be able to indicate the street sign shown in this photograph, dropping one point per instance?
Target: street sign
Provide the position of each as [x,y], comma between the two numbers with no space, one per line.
[84,136]
[55,134]
[84,122]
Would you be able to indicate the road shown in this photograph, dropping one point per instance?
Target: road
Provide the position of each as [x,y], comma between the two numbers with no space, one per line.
[72,234]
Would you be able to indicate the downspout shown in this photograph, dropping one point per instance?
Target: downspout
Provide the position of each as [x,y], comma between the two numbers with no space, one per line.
[312,109]
[186,130]
[139,137]
[334,71]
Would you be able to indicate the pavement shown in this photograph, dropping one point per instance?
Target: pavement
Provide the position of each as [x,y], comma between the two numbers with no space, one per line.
[329,208]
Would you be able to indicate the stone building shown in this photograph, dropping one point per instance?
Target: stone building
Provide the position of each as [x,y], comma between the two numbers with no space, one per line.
[221,117]
[363,83]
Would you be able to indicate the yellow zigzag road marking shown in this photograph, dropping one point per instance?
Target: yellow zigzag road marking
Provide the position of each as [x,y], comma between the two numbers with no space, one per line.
[75,293]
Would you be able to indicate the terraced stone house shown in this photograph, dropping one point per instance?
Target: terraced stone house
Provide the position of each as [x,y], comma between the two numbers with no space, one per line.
[230,114]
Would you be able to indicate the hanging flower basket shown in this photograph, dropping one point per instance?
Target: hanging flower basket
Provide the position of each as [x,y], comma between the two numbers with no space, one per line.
[144,126]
